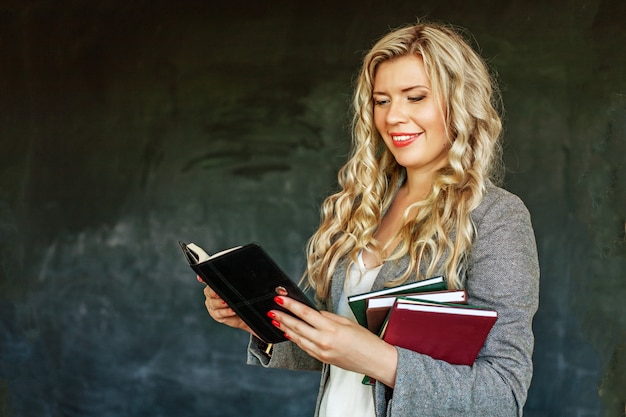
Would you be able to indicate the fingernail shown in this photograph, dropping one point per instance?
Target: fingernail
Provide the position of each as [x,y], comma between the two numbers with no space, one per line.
[223,302]
[271,314]
[287,336]
[279,300]
[275,323]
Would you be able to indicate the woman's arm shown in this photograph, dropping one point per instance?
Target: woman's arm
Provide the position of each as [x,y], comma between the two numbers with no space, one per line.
[503,274]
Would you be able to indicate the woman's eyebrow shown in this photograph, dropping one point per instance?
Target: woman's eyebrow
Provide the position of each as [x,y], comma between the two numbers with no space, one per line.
[415,87]
[404,90]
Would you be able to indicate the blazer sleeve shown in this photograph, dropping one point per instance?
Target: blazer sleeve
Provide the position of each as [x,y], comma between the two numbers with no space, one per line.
[284,355]
[503,273]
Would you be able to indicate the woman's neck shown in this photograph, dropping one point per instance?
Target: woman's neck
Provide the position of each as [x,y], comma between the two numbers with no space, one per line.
[416,188]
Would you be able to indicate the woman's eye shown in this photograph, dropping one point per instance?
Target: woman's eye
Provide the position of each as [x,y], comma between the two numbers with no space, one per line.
[380,102]
[415,99]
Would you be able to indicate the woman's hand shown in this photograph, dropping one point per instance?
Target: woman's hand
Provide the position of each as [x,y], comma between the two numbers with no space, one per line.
[221,312]
[336,340]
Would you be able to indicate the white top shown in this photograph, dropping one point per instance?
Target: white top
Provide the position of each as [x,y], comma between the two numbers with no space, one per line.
[344,394]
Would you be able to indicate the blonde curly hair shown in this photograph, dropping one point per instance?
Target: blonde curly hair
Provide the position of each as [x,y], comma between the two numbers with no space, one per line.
[439,232]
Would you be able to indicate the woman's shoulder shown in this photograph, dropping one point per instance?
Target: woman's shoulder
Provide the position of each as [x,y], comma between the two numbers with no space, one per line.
[499,202]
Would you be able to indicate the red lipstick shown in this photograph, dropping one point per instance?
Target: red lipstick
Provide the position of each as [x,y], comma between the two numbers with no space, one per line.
[405,139]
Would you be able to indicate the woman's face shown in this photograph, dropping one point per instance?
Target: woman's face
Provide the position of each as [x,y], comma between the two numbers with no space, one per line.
[408,116]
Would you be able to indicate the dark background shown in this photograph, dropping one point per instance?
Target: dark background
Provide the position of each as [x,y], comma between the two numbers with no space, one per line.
[127,125]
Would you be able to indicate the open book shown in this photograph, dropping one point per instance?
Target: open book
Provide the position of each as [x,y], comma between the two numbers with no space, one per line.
[247,279]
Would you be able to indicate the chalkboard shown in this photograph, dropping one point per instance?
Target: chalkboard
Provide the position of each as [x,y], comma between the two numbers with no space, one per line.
[128,126]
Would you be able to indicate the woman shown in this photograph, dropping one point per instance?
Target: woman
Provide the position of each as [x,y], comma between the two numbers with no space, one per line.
[417,199]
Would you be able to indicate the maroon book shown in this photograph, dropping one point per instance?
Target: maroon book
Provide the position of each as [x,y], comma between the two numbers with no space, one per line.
[378,307]
[453,333]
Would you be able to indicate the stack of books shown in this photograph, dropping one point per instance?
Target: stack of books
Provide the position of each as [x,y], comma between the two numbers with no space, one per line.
[427,318]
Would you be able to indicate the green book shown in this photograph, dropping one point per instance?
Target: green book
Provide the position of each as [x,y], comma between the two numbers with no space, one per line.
[358,302]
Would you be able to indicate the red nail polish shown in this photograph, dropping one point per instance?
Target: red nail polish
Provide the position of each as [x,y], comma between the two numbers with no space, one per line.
[275,323]
[271,314]
[278,300]
[287,336]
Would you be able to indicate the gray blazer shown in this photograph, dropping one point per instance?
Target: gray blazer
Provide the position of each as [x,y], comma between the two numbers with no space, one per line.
[502,273]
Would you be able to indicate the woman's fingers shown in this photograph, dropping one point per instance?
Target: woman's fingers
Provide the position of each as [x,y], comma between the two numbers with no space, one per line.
[306,324]
[302,311]
[221,312]
[217,308]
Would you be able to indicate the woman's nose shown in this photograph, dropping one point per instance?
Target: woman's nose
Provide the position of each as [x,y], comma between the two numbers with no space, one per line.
[396,113]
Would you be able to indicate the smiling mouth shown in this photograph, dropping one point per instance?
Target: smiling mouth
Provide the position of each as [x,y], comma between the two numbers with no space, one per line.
[404,140]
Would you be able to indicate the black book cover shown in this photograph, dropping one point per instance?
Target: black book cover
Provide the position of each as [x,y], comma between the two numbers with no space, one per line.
[247,279]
